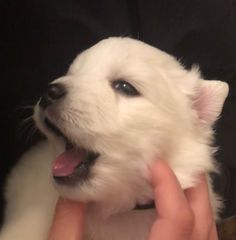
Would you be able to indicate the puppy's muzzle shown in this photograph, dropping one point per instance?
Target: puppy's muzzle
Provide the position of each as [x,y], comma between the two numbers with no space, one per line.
[74,164]
[53,93]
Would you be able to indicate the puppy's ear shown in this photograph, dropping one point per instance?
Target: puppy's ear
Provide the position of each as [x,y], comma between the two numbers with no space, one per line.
[210,100]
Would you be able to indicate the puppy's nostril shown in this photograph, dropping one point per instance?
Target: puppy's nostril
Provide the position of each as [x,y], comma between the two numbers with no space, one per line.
[54,92]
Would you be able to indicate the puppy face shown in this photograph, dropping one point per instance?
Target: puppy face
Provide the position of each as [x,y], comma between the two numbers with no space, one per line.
[122,105]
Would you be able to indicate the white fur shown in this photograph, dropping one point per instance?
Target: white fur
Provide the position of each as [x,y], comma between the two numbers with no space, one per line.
[171,120]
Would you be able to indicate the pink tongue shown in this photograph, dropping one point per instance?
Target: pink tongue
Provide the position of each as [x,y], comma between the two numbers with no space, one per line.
[65,164]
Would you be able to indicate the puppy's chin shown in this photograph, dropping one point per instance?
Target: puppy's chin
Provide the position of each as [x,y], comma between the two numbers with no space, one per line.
[104,203]
[109,189]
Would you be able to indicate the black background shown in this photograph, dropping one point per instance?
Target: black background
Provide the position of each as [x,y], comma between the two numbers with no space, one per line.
[40,38]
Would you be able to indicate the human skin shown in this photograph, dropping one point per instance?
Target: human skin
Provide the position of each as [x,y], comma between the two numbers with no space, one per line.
[182,215]
[68,221]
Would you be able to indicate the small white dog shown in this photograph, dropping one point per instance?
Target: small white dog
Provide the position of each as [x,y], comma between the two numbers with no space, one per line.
[122,105]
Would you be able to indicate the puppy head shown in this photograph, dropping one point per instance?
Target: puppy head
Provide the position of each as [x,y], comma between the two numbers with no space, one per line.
[122,105]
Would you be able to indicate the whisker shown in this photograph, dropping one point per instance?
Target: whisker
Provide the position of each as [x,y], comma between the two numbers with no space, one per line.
[26,120]
[25,107]
[24,126]
[32,131]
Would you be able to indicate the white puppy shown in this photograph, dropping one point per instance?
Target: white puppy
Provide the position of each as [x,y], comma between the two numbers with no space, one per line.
[122,105]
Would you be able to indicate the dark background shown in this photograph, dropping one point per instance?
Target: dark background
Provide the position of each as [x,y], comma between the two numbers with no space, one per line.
[40,38]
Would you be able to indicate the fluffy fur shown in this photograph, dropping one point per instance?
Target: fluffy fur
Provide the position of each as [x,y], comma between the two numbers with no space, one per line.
[172,119]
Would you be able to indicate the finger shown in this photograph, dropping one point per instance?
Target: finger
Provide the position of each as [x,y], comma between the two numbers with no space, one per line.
[169,197]
[213,233]
[198,198]
[199,202]
[68,222]
[175,219]
[167,230]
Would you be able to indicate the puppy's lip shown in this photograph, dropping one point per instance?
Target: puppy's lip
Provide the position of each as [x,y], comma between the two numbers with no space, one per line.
[74,164]
[53,128]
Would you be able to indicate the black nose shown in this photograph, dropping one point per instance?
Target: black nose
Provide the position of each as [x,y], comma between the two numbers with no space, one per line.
[52,94]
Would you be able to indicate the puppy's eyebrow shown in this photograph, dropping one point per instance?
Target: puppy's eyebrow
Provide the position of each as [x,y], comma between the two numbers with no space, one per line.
[130,80]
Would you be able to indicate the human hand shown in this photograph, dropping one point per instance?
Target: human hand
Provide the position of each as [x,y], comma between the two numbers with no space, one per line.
[68,222]
[182,215]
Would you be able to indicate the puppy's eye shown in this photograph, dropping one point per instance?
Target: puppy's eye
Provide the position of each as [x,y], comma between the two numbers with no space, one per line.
[125,88]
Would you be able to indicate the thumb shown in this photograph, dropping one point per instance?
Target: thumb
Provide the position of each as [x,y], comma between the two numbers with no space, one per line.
[68,221]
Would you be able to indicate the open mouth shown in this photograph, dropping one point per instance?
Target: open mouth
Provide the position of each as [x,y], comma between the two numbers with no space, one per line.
[74,164]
